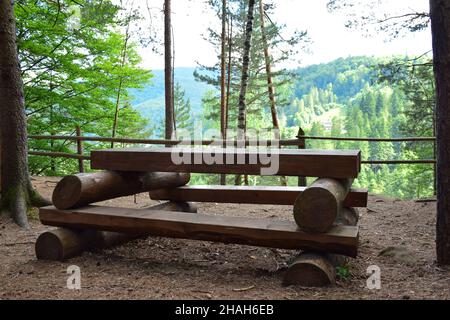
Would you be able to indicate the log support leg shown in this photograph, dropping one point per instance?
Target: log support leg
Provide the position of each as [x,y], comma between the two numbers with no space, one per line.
[317,208]
[318,269]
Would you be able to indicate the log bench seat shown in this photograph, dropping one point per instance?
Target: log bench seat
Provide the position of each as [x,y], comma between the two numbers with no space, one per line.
[237,230]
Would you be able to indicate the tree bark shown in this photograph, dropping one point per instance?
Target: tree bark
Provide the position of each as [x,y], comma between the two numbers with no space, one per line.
[242,118]
[168,69]
[121,80]
[17,192]
[230,50]
[223,110]
[270,87]
[223,103]
[440,24]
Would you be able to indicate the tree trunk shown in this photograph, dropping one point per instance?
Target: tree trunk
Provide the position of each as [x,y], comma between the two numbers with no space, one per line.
[270,87]
[168,69]
[230,48]
[227,107]
[120,87]
[242,118]
[223,111]
[17,192]
[440,23]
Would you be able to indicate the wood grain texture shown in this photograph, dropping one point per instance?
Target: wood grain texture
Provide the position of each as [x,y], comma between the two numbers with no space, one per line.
[274,195]
[253,232]
[310,270]
[62,243]
[317,208]
[78,190]
[318,269]
[312,163]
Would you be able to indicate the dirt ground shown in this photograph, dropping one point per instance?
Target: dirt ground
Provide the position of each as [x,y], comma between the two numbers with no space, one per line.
[157,268]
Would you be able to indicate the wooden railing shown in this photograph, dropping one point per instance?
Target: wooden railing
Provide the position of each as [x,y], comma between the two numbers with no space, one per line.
[299,142]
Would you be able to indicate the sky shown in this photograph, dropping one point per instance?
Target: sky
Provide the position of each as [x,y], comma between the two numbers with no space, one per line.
[330,38]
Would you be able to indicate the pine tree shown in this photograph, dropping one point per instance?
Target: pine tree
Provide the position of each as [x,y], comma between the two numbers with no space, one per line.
[183,113]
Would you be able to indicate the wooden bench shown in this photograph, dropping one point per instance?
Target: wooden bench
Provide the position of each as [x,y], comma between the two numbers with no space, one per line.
[325,222]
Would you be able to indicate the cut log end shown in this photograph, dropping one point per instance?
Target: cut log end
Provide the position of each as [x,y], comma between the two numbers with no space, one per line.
[315,210]
[310,270]
[67,192]
[315,269]
[56,245]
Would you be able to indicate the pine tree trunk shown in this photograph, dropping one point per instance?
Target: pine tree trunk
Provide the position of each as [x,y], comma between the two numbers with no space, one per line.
[229,70]
[168,69]
[120,87]
[440,23]
[116,113]
[223,111]
[242,118]
[17,192]
[230,48]
[223,103]
[270,87]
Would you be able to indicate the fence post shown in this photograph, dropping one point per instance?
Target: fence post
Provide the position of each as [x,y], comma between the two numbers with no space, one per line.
[80,150]
[301,145]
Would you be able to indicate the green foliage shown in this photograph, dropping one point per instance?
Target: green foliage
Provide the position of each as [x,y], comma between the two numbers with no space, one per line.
[280,48]
[183,113]
[377,98]
[343,272]
[74,61]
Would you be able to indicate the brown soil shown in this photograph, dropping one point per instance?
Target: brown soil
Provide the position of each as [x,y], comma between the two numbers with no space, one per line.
[158,268]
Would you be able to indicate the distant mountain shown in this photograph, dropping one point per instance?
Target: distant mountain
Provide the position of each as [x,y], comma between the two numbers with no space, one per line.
[347,76]
[150,100]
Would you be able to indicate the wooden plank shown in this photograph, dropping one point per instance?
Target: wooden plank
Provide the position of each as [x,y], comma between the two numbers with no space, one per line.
[312,163]
[246,231]
[357,198]
[62,244]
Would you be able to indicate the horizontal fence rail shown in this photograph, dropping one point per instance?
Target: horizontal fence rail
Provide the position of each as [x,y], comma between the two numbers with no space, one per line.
[299,142]
[59,155]
[282,142]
